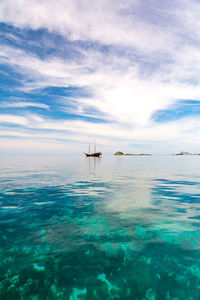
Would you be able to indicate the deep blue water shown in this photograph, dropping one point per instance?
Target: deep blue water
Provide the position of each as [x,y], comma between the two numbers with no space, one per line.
[100,228]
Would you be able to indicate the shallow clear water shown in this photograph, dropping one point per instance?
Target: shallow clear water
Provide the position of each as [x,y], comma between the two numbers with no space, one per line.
[100,228]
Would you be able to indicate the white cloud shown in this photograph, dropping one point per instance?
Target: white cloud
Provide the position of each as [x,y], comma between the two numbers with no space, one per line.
[166,138]
[148,68]
[21,104]
[12,119]
[120,93]
[106,21]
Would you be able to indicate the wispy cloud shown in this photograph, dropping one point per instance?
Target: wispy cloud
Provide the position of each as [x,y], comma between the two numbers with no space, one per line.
[132,59]
[21,104]
[13,119]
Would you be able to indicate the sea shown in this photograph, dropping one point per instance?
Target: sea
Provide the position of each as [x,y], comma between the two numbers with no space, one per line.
[114,227]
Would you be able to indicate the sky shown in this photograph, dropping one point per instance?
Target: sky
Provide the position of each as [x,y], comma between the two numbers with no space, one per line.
[126,73]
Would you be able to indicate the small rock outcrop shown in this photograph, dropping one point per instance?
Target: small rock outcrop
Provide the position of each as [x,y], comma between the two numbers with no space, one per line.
[183,153]
[119,153]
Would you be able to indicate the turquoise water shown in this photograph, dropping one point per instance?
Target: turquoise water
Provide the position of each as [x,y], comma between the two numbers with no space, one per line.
[100,228]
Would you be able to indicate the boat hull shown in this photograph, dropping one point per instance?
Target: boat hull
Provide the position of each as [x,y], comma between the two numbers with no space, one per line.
[95,154]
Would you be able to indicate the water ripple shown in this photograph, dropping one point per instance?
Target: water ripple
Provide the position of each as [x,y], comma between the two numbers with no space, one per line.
[94,229]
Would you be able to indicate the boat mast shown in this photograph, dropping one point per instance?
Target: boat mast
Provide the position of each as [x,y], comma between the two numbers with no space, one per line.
[89,145]
[94,146]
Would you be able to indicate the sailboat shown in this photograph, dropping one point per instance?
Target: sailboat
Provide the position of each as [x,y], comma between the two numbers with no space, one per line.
[93,154]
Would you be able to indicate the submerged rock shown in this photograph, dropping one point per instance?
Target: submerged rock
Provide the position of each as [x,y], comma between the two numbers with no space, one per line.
[110,286]
[38,267]
[77,292]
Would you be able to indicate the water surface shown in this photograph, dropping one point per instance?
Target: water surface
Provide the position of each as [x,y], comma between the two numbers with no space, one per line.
[100,228]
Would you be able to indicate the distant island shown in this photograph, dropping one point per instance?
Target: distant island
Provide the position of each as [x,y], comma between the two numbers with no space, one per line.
[119,153]
[185,153]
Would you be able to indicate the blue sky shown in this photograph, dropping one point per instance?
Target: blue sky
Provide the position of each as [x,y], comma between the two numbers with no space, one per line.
[126,73]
